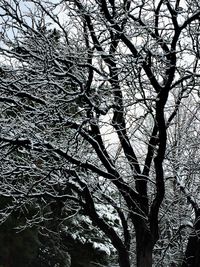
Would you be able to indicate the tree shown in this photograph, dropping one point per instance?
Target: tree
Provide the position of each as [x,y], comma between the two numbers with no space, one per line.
[126,68]
[49,250]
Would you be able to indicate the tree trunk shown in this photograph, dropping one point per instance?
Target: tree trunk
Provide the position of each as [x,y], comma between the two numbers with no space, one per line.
[124,260]
[144,255]
[144,248]
[192,254]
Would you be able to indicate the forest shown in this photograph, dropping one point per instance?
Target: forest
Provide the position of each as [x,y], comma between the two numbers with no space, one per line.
[99,133]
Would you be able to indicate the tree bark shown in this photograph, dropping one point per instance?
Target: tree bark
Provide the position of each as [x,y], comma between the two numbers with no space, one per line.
[124,260]
[192,254]
[144,253]
[144,246]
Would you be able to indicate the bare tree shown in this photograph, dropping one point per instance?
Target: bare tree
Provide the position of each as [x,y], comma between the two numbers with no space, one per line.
[86,120]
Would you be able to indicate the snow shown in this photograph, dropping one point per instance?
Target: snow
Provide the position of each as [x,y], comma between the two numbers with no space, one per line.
[102,247]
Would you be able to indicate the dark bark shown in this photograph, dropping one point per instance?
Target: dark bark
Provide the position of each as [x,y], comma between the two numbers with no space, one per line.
[144,248]
[144,256]
[192,254]
[124,260]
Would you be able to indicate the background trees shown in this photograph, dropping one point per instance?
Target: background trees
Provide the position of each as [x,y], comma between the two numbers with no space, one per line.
[99,117]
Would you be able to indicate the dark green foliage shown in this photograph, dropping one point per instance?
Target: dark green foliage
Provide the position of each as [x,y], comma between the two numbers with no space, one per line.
[51,251]
[84,254]
[17,248]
